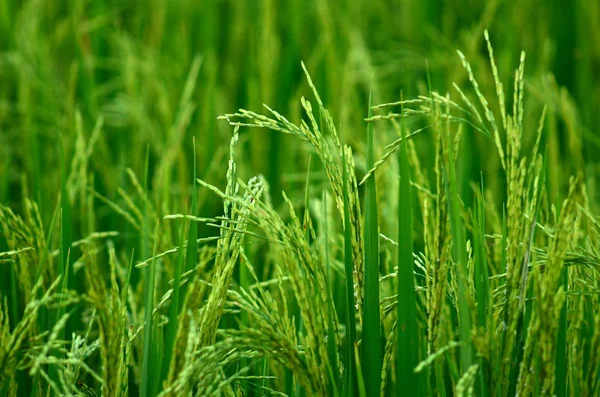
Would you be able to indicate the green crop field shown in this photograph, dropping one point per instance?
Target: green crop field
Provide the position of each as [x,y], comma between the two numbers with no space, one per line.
[299,198]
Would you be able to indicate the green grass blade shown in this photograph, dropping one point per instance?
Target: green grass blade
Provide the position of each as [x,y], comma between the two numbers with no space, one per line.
[482,287]
[192,247]
[145,232]
[334,378]
[350,362]
[407,328]
[460,257]
[172,325]
[65,241]
[157,354]
[371,337]
[561,370]
[125,290]
[149,362]
[359,374]
[66,232]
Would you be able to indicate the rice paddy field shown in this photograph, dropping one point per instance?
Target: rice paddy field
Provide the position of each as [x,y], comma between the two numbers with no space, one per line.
[299,198]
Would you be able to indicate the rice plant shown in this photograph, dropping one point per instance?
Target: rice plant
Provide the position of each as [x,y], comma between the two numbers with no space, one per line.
[349,238]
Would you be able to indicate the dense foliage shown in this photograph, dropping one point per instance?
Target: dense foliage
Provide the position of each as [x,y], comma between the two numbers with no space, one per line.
[413,210]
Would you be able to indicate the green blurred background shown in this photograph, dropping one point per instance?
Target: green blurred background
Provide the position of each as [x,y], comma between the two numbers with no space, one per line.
[65,66]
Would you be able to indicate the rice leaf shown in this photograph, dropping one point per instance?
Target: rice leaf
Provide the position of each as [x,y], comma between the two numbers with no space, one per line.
[371,337]
[408,327]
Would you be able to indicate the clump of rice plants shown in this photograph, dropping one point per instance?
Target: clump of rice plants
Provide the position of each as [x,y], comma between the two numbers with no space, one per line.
[380,277]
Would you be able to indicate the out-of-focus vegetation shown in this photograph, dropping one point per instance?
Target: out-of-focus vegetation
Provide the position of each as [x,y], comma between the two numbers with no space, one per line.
[406,219]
